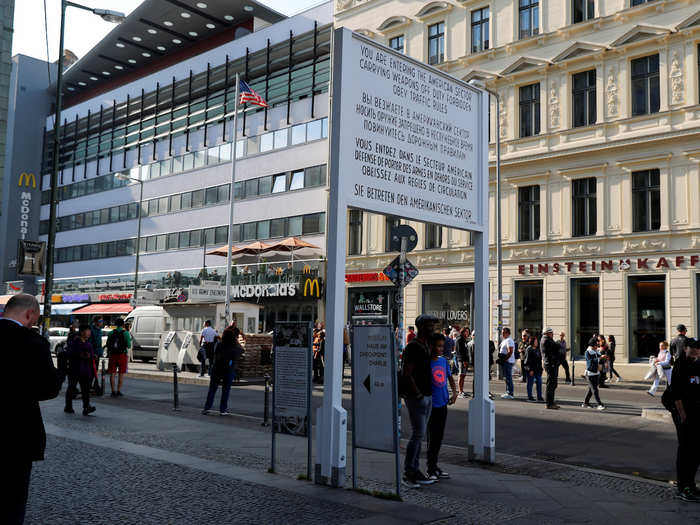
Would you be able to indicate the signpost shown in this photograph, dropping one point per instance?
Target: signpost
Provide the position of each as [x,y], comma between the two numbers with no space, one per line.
[374,397]
[407,140]
[291,395]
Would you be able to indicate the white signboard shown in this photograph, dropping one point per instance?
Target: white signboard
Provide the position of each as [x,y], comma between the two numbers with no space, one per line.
[374,387]
[292,378]
[409,138]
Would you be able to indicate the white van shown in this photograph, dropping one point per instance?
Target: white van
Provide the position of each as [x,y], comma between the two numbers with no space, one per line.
[147,325]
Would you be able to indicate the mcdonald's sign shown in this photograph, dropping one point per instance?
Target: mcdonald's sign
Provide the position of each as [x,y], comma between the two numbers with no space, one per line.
[29,179]
[312,287]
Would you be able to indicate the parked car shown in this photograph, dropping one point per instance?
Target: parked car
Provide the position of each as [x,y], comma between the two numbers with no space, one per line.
[57,339]
[147,325]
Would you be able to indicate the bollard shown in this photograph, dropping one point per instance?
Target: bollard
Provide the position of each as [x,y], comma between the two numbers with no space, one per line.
[175,393]
[266,409]
[103,375]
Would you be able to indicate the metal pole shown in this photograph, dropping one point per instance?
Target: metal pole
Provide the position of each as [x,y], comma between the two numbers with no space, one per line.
[266,408]
[231,200]
[138,245]
[175,392]
[53,199]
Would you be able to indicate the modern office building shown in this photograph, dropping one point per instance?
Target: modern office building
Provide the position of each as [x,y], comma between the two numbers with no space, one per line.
[7,8]
[152,106]
[599,126]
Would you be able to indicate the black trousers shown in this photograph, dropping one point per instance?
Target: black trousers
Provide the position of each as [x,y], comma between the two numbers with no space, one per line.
[552,374]
[593,389]
[13,502]
[565,364]
[84,383]
[688,457]
[436,431]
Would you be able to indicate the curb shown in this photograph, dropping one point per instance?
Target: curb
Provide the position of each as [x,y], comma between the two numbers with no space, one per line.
[184,380]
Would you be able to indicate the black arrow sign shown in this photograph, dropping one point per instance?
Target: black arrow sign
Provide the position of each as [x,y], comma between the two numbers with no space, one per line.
[368,384]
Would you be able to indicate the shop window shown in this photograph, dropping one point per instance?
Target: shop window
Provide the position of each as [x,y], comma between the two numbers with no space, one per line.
[584,207]
[480,30]
[529,16]
[529,213]
[582,10]
[390,222]
[584,93]
[354,232]
[647,315]
[396,43]
[645,85]
[585,310]
[452,304]
[436,43]
[646,200]
[528,306]
[529,110]
[433,236]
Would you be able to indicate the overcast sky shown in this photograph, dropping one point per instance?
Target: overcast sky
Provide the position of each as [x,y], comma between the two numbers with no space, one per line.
[83,29]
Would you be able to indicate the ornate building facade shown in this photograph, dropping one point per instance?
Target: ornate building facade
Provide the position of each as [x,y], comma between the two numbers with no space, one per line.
[599,126]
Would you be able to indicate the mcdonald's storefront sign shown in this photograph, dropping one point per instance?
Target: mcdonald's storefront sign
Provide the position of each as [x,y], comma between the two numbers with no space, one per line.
[312,287]
[27,179]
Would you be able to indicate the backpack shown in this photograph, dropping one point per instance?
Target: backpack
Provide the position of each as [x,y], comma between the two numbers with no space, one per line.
[116,343]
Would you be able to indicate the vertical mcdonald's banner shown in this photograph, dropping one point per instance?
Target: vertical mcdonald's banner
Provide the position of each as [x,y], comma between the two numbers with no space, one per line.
[28,179]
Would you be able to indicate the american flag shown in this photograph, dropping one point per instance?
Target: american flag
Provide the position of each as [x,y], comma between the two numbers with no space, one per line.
[249,95]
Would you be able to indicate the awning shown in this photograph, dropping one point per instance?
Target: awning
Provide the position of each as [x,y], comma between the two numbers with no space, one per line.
[62,309]
[106,308]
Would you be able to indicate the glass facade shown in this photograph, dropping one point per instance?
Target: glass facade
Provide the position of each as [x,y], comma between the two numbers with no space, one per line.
[452,304]
[529,307]
[585,320]
[647,315]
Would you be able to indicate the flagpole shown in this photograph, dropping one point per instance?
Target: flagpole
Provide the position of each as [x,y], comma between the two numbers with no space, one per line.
[231,200]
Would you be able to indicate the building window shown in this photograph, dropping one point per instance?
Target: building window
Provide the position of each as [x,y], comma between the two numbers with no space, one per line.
[433,236]
[529,307]
[529,18]
[584,98]
[584,207]
[645,85]
[582,10]
[529,110]
[646,200]
[390,222]
[480,30]
[436,43]
[647,315]
[529,208]
[639,2]
[355,232]
[396,43]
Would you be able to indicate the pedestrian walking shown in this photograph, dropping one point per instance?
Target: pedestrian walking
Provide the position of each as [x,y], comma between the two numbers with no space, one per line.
[605,362]
[522,346]
[118,343]
[664,367]
[550,359]
[81,370]
[685,394]
[319,362]
[417,390]
[506,356]
[449,345]
[462,356]
[32,378]
[563,353]
[678,343]
[96,336]
[533,369]
[592,373]
[410,336]
[611,356]
[227,352]
[207,340]
[441,374]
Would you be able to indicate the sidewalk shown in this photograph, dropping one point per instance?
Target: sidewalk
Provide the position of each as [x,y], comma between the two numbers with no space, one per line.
[188,451]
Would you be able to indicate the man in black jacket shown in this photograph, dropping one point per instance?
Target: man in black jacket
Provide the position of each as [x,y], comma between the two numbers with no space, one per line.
[26,352]
[679,342]
[550,358]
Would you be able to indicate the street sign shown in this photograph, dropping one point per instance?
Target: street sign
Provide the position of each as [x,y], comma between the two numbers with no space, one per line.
[403,231]
[374,387]
[392,271]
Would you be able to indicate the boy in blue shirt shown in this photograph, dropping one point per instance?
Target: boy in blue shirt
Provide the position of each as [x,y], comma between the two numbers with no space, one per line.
[441,374]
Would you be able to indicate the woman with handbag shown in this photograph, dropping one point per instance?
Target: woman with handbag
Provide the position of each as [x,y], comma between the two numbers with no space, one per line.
[605,362]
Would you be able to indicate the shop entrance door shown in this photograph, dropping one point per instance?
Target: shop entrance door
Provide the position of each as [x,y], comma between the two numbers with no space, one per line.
[585,313]
[647,314]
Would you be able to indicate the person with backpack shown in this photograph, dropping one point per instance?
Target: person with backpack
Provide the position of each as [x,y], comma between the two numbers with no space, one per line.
[592,373]
[664,367]
[118,343]
[81,370]
[227,352]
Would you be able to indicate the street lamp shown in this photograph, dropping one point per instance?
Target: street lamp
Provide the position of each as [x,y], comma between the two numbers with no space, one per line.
[121,176]
[499,254]
[109,16]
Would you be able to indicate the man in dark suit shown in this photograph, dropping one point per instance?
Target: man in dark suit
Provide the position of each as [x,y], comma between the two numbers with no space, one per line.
[33,378]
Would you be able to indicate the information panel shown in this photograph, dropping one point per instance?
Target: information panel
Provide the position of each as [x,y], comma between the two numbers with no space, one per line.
[374,387]
[292,378]
[411,138]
